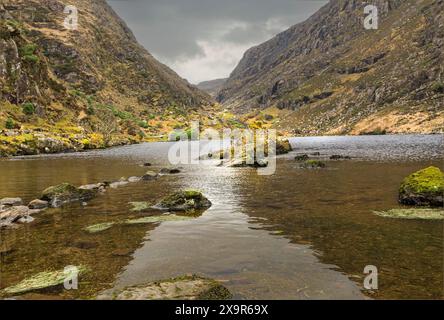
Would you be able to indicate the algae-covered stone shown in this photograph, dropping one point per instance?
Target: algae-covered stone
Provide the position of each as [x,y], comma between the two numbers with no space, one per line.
[181,288]
[38,204]
[140,206]
[99,227]
[156,219]
[43,280]
[65,193]
[183,201]
[313,164]
[423,188]
[413,213]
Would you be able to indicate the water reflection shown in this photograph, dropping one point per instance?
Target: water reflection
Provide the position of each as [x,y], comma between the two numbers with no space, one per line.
[298,234]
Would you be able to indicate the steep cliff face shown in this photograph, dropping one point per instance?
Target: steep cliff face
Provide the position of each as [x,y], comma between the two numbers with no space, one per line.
[94,80]
[331,75]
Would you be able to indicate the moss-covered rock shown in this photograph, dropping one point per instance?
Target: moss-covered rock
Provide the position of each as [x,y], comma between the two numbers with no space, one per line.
[313,164]
[65,193]
[184,201]
[156,219]
[181,288]
[413,213]
[43,280]
[283,146]
[423,188]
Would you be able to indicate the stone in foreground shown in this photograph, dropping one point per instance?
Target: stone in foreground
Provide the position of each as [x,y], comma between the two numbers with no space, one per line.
[184,201]
[182,288]
[423,188]
[43,280]
[65,193]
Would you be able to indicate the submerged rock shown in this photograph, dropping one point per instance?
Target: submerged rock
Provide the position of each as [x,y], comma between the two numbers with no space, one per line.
[184,201]
[149,175]
[140,205]
[423,188]
[99,227]
[134,179]
[43,280]
[156,219]
[38,204]
[65,193]
[181,288]
[413,213]
[122,182]
[313,164]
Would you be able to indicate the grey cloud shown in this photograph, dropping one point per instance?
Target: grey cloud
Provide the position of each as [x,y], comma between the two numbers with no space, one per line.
[171,29]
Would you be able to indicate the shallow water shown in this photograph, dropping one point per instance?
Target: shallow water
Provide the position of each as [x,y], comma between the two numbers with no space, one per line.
[298,234]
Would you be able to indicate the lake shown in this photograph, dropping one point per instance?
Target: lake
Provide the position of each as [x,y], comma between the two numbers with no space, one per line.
[297,234]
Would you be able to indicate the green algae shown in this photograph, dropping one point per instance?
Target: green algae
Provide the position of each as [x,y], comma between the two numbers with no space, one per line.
[155,219]
[140,206]
[45,279]
[413,213]
[99,227]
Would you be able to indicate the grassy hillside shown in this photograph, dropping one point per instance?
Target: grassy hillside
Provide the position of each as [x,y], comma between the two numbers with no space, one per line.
[92,87]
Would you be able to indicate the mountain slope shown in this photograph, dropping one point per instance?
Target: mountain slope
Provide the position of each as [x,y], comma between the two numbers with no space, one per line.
[212,87]
[95,84]
[329,75]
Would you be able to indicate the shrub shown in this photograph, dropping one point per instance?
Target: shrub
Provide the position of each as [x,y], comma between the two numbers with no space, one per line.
[143,124]
[28,108]
[10,124]
[438,87]
[27,52]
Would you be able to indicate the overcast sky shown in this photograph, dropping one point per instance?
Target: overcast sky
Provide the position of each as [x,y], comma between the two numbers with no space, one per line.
[205,39]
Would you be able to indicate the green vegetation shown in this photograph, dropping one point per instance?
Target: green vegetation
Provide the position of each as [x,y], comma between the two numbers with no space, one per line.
[28,108]
[99,227]
[425,187]
[314,164]
[438,87]
[9,124]
[27,52]
[156,219]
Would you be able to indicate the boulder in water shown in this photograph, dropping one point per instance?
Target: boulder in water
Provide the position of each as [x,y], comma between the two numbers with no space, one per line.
[65,193]
[423,188]
[181,288]
[184,201]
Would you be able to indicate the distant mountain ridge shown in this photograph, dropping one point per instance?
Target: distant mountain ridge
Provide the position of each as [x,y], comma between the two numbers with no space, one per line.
[212,87]
[329,75]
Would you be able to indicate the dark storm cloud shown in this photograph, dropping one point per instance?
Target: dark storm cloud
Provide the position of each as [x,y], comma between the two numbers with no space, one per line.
[179,31]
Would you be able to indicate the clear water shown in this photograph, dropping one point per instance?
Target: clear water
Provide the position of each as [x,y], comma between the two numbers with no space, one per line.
[298,234]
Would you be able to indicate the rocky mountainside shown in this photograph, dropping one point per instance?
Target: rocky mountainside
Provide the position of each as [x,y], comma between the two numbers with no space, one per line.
[212,87]
[330,75]
[63,89]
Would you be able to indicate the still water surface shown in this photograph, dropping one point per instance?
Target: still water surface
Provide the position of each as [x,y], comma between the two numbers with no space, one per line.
[298,234]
